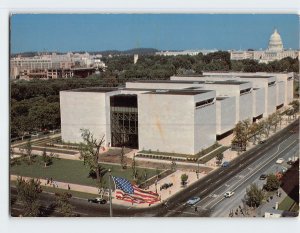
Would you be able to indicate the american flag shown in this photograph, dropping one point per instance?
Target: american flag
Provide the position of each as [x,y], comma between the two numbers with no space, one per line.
[131,193]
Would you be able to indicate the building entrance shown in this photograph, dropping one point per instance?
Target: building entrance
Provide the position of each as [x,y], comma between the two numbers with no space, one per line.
[124,121]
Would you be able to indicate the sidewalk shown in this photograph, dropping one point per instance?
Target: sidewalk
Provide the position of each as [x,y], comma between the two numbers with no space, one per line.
[164,194]
[269,206]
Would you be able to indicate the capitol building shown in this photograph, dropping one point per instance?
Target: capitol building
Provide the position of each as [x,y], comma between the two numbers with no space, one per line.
[275,51]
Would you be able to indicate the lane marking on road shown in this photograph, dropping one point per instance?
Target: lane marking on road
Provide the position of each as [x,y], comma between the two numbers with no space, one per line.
[182,212]
[257,168]
[243,176]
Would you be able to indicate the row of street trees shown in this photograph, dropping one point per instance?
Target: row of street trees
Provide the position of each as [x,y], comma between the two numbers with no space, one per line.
[245,132]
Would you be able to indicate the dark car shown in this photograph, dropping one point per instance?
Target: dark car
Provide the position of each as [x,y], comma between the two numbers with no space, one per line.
[262,141]
[263,177]
[225,164]
[97,200]
[166,186]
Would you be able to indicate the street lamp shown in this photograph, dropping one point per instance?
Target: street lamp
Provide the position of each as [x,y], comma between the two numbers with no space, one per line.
[110,198]
[198,169]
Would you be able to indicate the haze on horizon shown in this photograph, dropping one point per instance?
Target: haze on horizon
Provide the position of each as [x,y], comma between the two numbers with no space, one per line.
[99,32]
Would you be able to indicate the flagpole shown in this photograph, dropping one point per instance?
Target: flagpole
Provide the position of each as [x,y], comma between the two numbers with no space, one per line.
[110,198]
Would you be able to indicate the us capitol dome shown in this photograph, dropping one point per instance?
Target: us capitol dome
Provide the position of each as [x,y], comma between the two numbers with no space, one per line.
[275,42]
[275,51]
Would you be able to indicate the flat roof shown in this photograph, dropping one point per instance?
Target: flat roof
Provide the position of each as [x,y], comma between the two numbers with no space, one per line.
[225,82]
[221,98]
[255,76]
[177,92]
[95,89]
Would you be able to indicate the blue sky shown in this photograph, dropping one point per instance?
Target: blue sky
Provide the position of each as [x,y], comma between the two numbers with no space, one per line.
[96,32]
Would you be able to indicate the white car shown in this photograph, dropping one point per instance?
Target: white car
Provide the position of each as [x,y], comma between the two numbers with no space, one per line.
[280,161]
[193,201]
[229,194]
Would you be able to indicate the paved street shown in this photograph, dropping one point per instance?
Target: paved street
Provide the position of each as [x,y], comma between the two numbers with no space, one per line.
[259,160]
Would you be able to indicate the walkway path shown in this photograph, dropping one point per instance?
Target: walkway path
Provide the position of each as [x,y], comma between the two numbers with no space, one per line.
[164,194]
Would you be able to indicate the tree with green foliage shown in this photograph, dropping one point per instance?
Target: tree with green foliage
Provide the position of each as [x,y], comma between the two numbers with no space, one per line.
[63,204]
[184,177]
[28,193]
[272,183]
[90,153]
[254,196]
[241,134]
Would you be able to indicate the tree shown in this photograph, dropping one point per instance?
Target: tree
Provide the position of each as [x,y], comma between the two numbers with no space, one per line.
[28,193]
[254,132]
[133,167]
[46,158]
[28,152]
[295,107]
[272,183]
[254,196]
[241,134]
[90,153]
[173,166]
[219,159]
[63,204]
[122,158]
[184,177]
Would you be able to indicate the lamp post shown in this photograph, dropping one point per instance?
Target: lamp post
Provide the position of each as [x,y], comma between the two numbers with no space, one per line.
[110,198]
[198,169]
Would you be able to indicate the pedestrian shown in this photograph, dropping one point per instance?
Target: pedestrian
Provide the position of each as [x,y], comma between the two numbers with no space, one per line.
[48,181]
[69,187]
[196,208]
[51,180]
[149,204]
[169,192]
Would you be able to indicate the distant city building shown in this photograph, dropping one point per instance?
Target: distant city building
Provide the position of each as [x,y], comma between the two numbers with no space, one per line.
[185,52]
[275,51]
[60,65]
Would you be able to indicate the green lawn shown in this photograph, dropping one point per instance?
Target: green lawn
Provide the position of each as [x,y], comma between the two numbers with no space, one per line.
[71,171]
[287,204]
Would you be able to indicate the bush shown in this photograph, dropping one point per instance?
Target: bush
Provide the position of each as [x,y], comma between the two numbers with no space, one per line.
[184,178]
[272,183]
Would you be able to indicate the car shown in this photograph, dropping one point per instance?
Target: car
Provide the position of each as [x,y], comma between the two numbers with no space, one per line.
[225,164]
[290,162]
[280,161]
[262,141]
[97,200]
[283,169]
[263,176]
[166,186]
[193,201]
[35,134]
[228,194]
